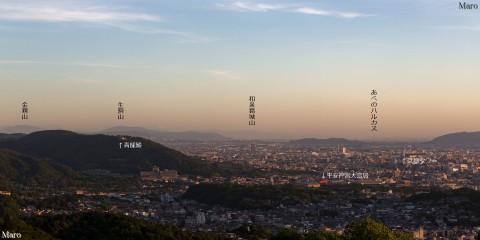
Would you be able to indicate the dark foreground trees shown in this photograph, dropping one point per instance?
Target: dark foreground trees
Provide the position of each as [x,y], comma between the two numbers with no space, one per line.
[365,229]
[89,225]
[100,225]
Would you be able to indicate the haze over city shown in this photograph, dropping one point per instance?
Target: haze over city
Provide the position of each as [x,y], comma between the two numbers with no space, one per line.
[191,65]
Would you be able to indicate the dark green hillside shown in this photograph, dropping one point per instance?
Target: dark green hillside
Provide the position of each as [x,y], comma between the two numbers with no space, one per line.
[19,168]
[89,225]
[97,225]
[10,221]
[84,152]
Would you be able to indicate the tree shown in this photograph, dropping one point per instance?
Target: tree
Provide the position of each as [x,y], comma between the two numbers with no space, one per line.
[368,229]
[287,234]
[322,235]
[253,232]
[9,221]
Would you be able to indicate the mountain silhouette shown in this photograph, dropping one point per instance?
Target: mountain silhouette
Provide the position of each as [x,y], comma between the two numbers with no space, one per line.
[26,129]
[459,138]
[160,135]
[86,152]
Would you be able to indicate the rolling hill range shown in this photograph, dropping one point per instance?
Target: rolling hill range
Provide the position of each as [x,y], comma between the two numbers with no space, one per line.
[160,135]
[460,138]
[12,136]
[86,152]
[25,129]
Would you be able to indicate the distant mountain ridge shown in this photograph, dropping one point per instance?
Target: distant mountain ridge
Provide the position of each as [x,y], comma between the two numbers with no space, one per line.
[159,135]
[459,138]
[256,135]
[25,129]
[86,152]
[328,141]
[11,136]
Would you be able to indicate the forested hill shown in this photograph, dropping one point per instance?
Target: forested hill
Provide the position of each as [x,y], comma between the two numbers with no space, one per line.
[460,138]
[23,169]
[84,152]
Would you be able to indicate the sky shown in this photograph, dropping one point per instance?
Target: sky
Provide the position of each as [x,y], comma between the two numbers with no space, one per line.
[183,65]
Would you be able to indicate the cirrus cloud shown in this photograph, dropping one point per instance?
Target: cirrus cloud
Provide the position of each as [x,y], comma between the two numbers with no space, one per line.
[58,13]
[268,7]
[256,7]
[224,74]
[124,19]
[314,11]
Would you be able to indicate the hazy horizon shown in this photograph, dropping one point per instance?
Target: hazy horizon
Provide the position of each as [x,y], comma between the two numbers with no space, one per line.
[190,65]
[234,134]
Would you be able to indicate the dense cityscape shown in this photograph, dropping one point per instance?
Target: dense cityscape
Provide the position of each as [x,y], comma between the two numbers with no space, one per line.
[424,190]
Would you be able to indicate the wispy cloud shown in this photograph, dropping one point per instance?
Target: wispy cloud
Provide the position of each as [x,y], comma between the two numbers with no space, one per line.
[256,7]
[184,37]
[51,13]
[266,7]
[125,19]
[79,64]
[224,74]
[314,11]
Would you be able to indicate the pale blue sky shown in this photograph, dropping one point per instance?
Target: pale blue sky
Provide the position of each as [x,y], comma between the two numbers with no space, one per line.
[191,65]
